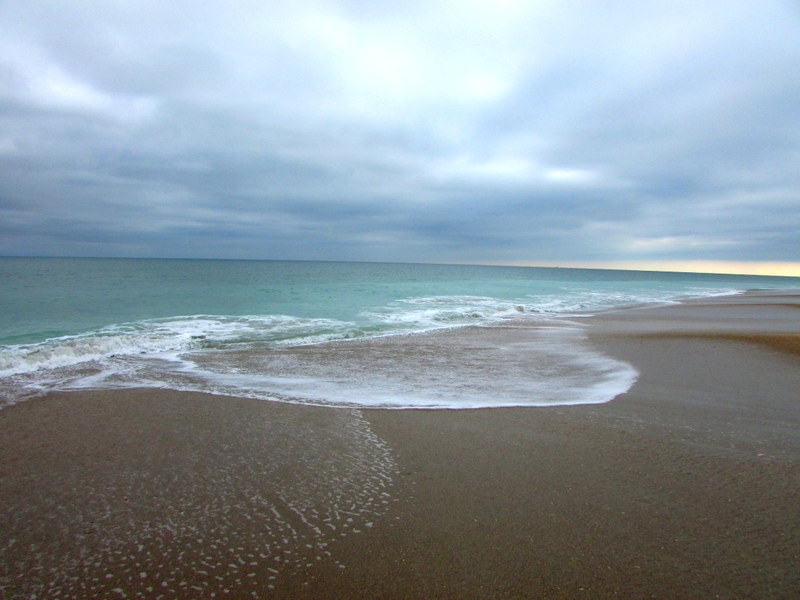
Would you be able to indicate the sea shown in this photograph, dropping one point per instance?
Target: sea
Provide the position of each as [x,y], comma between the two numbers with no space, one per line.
[342,334]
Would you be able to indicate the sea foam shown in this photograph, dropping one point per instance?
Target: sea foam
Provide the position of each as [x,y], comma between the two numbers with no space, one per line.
[421,352]
[521,362]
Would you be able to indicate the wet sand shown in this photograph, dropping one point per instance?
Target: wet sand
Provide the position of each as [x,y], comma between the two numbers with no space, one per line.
[685,487]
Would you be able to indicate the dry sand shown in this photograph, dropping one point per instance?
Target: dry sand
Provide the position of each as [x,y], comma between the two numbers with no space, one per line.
[685,487]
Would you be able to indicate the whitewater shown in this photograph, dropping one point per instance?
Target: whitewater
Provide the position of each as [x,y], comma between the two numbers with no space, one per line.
[336,334]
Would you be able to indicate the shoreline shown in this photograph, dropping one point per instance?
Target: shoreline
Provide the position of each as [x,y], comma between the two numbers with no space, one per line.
[683,487]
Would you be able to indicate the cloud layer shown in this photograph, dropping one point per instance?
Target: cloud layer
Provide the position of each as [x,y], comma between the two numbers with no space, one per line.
[469,131]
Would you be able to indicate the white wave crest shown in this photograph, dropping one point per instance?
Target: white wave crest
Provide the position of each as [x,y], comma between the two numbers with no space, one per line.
[178,334]
[444,311]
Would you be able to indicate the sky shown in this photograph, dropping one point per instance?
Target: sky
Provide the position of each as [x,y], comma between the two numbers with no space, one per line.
[625,133]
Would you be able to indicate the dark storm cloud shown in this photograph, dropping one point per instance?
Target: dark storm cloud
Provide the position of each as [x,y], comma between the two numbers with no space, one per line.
[453,131]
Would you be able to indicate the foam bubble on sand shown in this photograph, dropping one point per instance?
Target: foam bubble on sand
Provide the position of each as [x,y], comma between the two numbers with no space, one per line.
[269,502]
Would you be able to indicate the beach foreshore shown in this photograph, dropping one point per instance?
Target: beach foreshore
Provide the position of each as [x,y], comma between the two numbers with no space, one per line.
[684,487]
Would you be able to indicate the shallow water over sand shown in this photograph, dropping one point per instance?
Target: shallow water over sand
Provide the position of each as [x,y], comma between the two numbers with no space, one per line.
[517,364]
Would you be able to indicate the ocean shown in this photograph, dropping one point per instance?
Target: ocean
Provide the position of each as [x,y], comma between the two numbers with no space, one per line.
[325,333]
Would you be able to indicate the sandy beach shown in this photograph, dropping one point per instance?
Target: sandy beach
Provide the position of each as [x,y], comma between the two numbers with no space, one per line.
[687,486]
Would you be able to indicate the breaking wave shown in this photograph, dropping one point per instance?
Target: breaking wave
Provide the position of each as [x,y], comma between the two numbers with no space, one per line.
[194,352]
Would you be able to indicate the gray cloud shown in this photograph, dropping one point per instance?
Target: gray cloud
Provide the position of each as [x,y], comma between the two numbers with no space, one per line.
[472,131]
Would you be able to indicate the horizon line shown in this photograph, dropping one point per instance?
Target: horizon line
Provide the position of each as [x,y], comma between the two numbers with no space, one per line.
[698,266]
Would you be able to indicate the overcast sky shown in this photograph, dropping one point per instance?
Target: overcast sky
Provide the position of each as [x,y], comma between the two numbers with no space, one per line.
[503,131]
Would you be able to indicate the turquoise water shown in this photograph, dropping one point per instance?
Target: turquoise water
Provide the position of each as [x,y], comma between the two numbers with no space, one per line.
[72,323]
